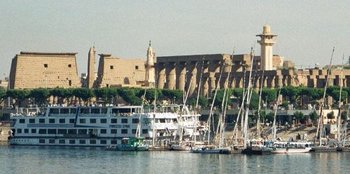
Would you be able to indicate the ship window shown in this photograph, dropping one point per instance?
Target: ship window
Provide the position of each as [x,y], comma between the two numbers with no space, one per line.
[72,131]
[71,120]
[124,131]
[26,131]
[62,141]
[52,141]
[103,120]
[33,131]
[32,120]
[133,131]
[92,141]
[113,120]
[22,121]
[113,141]
[51,131]
[73,110]
[41,120]
[71,141]
[114,131]
[62,131]
[85,110]
[62,120]
[162,120]
[82,120]
[19,131]
[135,120]
[82,142]
[54,111]
[51,120]
[124,120]
[103,141]
[42,131]
[92,120]
[64,111]
[103,131]
[104,111]
[82,131]
[95,110]
[144,131]
[42,141]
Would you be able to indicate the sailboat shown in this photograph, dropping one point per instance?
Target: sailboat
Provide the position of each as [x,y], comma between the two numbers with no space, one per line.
[323,145]
[210,148]
[251,147]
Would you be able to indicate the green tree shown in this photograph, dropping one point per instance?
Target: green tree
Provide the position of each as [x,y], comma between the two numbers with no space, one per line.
[84,94]
[129,96]
[20,95]
[2,94]
[300,117]
[171,95]
[238,93]
[40,95]
[291,93]
[101,94]
[59,94]
[313,116]
[269,95]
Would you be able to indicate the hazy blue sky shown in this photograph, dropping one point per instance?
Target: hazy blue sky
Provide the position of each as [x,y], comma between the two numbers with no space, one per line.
[307,30]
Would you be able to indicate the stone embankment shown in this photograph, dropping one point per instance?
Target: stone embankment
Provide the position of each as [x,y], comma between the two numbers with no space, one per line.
[4,132]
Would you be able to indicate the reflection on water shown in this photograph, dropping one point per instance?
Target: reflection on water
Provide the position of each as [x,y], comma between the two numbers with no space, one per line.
[68,160]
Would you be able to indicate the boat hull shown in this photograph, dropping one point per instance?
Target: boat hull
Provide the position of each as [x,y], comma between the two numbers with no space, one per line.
[211,151]
[257,151]
[291,150]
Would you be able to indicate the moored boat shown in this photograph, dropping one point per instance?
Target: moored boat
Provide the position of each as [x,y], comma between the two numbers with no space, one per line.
[94,126]
[282,147]
[211,150]
[130,144]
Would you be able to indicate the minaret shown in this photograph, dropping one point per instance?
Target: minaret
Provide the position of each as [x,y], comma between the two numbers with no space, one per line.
[267,39]
[150,72]
[91,68]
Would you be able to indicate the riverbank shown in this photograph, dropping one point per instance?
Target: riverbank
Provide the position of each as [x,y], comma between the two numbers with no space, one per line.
[4,133]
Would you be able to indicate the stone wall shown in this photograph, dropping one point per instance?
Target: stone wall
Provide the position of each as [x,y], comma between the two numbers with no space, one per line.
[114,71]
[45,70]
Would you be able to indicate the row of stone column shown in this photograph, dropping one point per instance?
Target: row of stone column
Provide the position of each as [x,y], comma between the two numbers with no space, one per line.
[186,76]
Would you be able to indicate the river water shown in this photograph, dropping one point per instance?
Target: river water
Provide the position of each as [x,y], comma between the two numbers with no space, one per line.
[51,160]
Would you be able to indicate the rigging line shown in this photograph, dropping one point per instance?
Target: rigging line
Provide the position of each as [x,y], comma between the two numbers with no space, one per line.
[320,122]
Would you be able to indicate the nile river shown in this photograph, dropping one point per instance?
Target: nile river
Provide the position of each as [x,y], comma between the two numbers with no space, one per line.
[42,160]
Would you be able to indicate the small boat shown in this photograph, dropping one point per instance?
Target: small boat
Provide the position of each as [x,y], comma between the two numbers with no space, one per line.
[130,144]
[181,147]
[283,147]
[257,148]
[211,150]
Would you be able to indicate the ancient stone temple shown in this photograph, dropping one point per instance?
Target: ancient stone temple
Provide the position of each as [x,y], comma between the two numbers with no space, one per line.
[45,70]
[117,72]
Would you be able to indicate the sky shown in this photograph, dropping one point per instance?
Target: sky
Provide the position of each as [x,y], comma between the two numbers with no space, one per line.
[307,30]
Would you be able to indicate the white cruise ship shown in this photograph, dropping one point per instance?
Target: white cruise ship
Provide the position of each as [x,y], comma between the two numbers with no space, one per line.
[98,126]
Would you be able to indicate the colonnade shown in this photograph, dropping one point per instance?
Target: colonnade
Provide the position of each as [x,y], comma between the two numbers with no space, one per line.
[188,75]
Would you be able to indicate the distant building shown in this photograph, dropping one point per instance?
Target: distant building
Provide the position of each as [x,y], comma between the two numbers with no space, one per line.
[4,83]
[113,71]
[45,70]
